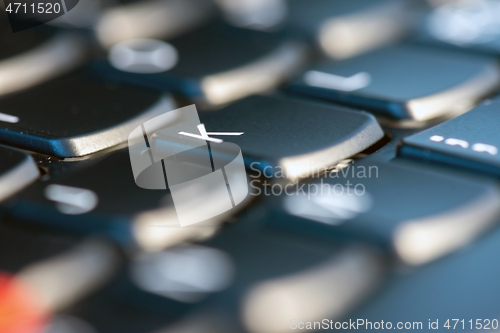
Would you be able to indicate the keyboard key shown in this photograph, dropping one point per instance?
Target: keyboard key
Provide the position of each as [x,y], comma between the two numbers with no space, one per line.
[76,116]
[343,29]
[152,19]
[192,261]
[42,272]
[105,199]
[268,269]
[17,170]
[252,14]
[464,24]
[275,269]
[53,54]
[282,134]
[417,212]
[470,141]
[460,287]
[405,82]
[214,65]
[85,14]
[62,280]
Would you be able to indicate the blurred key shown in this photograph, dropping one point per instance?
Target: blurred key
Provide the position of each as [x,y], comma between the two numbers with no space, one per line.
[284,135]
[344,29]
[42,273]
[347,278]
[62,280]
[105,199]
[418,213]
[75,116]
[469,24]
[29,58]
[17,170]
[405,82]
[461,287]
[259,282]
[152,19]
[84,15]
[255,14]
[214,65]
[281,278]
[470,141]
[204,271]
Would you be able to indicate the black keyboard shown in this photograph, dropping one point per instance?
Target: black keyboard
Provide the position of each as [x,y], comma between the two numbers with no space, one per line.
[232,166]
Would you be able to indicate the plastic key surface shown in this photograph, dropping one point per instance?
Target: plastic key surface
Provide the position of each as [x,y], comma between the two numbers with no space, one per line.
[441,293]
[215,65]
[470,141]
[75,116]
[296,137]
[404,82]
[151,19]
[415,212]
[29,58]
[343,29]
[105,199]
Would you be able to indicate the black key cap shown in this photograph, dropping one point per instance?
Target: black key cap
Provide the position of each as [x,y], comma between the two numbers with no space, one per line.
[343,29]
[105,199]
[275,270]
[17,170]
[152,19]
[292,136]
[265,270]
[47,273]
[405,82]
[470,141]
[442,291]
[216,64]
[75,116]
[418,213]
[29,58]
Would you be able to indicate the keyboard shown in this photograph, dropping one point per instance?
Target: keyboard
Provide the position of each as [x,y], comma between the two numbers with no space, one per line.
[250,166]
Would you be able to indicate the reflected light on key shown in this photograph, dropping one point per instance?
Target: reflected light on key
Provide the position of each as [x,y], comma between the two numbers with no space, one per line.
[143,56]
[466,22]
[420,241]
[57,56]
[329,208]
[345,37]
[64,279]
[326,291]
[262,75]
[160,19]
[254,14]
[160,229]
[71,200]
[332,81]
[185,274]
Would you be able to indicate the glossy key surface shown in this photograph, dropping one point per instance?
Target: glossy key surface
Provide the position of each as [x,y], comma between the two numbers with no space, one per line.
[75,116]
[404,82]
[215,64]
[418,213]
[283,133]
[469,141]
